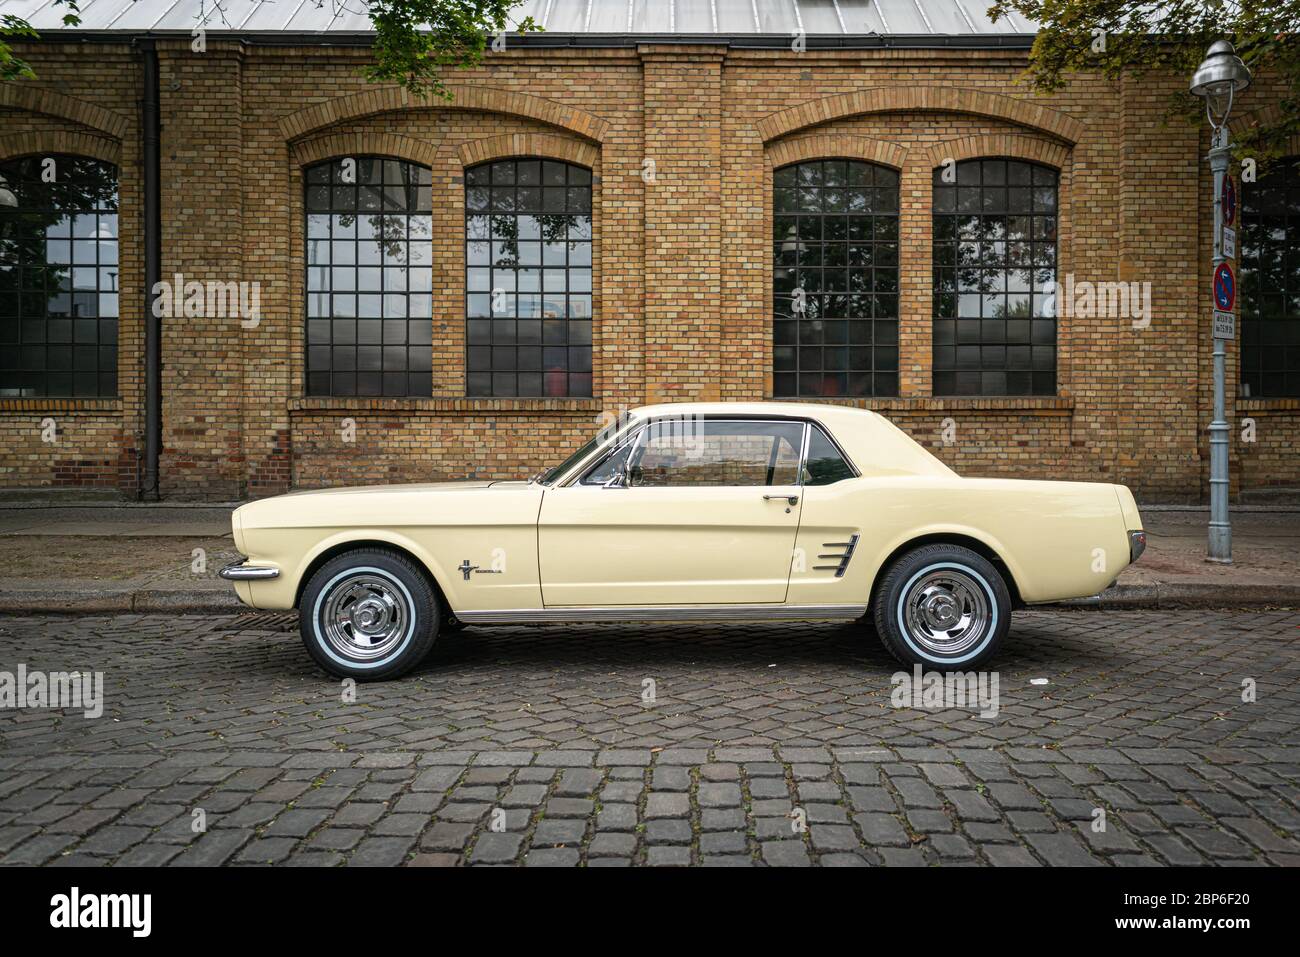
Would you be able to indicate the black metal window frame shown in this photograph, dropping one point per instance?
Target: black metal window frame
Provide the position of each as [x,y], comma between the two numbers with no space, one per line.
[528,278]
[60,276]
[835,279]
[368,240]
[1270,283]
[995,258]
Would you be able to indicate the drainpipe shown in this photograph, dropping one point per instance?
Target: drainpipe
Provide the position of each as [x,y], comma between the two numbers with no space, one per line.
[150,127]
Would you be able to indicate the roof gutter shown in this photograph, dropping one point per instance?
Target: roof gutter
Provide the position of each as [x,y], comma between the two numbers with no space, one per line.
[591,41]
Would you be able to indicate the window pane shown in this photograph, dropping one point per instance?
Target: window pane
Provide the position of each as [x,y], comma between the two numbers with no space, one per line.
[701,452]
[529,259]
[1270,282]
[58,277]
[995,221]
[825,465]
[367,244]
[835,265]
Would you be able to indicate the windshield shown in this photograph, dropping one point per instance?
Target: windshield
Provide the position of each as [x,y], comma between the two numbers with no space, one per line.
[604,435]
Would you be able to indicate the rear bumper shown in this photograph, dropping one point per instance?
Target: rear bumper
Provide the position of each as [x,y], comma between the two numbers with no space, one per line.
[241,571]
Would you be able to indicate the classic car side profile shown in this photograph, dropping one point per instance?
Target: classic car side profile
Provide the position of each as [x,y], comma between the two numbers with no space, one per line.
[743,511]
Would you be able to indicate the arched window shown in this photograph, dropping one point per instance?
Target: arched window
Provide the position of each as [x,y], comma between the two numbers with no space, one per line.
[835,279]
[58,277]
[1270,283]
[369,277]
[994,268]
[528,278]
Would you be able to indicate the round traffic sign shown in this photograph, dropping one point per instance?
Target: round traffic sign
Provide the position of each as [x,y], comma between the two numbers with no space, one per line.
[1225,287]
[1229,201]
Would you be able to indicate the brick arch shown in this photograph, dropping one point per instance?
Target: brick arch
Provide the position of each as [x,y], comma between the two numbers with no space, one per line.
[942,99]
[389,99]
[836,146]
[61,141]
[318,148]
[1011,145]
[528,144]
[20,96]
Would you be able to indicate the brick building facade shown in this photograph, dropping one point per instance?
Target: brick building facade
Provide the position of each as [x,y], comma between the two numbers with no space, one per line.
[685,140]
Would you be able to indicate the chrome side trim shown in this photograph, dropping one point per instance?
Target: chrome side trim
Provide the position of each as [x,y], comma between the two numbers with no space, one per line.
[516,616]
[844,557]
[240,571]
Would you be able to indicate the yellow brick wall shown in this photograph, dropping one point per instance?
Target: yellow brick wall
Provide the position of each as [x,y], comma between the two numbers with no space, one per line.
[682,142]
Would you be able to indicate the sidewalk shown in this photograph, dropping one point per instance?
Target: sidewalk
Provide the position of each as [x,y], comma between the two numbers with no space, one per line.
[164,558]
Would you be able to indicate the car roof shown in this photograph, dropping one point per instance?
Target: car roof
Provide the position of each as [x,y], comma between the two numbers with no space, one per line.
[875,445]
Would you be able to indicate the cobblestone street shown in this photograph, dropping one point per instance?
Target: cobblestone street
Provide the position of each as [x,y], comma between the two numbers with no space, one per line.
[616,745]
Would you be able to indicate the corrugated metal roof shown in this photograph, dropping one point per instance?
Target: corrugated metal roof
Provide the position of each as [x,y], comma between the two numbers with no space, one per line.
[828,18]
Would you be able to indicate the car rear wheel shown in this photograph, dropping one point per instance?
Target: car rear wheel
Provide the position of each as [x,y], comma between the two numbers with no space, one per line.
[368,614]
[943,607]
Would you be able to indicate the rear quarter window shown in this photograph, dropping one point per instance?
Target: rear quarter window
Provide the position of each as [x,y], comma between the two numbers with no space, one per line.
[825,465]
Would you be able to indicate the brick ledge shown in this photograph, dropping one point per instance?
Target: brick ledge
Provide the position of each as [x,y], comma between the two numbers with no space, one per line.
[454,406]
[63,406]
[1269,405]
[1024,405]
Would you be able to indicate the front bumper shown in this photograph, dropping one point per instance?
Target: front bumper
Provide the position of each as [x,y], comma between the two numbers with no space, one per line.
[241,571]
[1137,544]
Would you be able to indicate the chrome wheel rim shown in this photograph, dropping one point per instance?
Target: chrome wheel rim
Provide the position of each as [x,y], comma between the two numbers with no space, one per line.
[366,614]
[946,612]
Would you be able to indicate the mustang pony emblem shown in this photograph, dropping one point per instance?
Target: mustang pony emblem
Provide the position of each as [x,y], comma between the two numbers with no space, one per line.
[465,568]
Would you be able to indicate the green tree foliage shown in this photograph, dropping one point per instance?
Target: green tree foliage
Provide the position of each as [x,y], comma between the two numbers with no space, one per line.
[1128,37]
[415,40]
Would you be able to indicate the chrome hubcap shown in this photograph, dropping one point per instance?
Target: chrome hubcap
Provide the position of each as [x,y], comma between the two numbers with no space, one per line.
[946,612]
[365,615]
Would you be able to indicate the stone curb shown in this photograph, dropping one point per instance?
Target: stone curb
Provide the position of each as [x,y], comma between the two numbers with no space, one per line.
[1188,595]
[116,602]
[221,601]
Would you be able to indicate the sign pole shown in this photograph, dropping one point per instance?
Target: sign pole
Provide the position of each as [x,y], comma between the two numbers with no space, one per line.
[1220,541]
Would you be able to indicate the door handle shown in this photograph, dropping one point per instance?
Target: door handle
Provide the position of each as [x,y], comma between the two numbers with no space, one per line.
[789,499]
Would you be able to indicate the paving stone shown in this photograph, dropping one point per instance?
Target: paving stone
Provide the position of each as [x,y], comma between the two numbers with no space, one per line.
[785,853]
[496,848]
[668,856]
[668,832]
[661,804]
[612,845]
[559,831]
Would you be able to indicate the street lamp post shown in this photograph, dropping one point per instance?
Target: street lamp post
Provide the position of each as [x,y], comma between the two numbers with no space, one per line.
[1217,80]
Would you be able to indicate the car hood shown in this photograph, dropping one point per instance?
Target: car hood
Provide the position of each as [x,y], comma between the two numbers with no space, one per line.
[426,503]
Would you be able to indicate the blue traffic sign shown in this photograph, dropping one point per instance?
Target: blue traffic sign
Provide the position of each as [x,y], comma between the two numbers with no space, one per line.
[1225,287]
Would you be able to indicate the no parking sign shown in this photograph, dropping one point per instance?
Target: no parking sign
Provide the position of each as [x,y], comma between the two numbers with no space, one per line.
[1225,300]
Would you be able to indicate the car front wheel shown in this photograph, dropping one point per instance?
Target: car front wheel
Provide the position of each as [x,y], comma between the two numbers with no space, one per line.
[943,607]
[368,614]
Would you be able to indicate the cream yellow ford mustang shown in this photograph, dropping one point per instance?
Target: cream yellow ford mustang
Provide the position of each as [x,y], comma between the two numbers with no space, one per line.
[753,511]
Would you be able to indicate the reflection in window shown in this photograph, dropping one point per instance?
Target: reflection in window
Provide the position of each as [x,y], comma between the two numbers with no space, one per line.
[528,278]
[994,263]
[369,277]
[698,452]
[58,277]
[1270,283]
[835,279]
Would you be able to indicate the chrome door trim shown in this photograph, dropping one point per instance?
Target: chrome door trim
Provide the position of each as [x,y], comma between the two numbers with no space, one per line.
[516,616]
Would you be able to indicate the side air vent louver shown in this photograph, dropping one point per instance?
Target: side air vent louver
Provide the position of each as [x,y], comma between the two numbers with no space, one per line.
[841,557]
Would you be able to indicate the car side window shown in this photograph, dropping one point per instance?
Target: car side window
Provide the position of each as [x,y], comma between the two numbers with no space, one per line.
[707,452]
[825,465]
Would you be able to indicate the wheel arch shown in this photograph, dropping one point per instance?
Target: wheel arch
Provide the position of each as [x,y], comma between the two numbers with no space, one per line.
[962,538]
[335,547]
